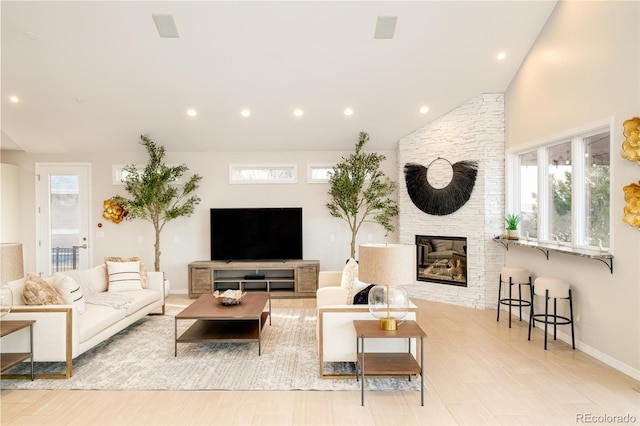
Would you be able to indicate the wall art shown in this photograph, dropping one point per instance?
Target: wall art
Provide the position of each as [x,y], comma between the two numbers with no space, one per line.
[440,201]
[631,145]
[113,211]
[632,209]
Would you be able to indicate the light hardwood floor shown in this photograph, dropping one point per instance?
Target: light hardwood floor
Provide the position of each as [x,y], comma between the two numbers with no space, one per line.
[478,372]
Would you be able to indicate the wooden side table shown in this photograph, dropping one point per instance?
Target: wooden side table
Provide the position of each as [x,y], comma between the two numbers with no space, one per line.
[389,364]
[10,359]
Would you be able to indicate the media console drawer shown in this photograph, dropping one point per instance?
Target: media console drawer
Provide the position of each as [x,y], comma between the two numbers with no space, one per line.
[200,281]
[307,279]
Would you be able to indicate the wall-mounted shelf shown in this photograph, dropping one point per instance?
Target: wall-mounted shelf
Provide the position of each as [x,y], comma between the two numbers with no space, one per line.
[606,258]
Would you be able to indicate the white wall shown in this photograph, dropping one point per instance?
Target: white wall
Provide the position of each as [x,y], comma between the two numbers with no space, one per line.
[187,239]
[584,67]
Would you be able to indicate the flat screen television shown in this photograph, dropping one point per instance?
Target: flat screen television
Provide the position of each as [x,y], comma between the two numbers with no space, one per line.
[256,233]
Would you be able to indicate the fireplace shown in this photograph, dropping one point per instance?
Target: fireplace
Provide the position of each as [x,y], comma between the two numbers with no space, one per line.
[442,259]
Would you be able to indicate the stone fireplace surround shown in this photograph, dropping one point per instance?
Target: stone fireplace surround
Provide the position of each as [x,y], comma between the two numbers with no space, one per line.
[474,131]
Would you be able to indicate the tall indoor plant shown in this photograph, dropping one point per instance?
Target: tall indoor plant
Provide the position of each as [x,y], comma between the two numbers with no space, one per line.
[154,195]
[360,191]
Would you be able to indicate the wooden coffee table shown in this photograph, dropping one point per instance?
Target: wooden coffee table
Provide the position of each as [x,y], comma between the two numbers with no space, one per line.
[219,323]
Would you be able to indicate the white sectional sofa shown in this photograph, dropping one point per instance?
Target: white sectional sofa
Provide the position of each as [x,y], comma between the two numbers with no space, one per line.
[62,332]
[335,331]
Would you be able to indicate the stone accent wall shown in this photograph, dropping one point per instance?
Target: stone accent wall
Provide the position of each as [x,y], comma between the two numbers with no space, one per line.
[472,132]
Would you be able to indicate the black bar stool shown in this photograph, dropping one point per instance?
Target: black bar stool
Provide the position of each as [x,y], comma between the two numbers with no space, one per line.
[552,288]
[519,277]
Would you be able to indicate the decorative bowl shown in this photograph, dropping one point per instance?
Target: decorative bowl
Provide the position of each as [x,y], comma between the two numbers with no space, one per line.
[229,297]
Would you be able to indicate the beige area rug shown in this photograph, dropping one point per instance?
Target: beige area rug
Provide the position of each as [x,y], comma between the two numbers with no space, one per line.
[142,357]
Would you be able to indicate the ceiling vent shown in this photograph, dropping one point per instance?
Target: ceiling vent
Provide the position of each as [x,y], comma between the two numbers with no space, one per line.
[166,26]
[385,27]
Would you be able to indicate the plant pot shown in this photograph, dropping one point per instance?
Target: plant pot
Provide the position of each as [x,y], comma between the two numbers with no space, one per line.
[513,234]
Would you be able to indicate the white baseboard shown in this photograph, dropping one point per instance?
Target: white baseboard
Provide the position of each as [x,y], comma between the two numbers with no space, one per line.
[600,356]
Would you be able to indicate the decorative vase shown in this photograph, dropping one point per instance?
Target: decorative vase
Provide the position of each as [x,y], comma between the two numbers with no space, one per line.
[6,299]
[389,304]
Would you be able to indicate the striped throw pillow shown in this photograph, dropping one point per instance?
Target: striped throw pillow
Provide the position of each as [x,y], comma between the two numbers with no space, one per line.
[124,276]
[70,291]
[143,270]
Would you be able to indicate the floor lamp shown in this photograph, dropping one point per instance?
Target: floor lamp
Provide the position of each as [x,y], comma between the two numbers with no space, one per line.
[388,266]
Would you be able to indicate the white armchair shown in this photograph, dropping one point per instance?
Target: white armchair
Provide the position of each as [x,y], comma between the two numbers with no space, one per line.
[329,290]
[335,331]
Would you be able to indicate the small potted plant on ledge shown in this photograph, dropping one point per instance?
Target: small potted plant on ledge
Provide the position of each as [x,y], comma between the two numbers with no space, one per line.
[513,220]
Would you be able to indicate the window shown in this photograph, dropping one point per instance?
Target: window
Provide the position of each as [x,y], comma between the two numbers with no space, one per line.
[119,174]
[559,181]
[561,187]
[529,194]
[263,173]
[318,173]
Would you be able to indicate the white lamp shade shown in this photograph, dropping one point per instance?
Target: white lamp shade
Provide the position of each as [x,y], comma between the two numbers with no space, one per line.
[387,264]
[11,268]
[11,262]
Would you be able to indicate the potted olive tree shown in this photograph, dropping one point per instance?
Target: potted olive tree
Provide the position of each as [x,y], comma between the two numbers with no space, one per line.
[360,191]
[154,194]
[512,220]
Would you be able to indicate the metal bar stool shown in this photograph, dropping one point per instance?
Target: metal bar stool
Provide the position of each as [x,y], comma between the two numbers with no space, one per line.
[552,288]
[519,277]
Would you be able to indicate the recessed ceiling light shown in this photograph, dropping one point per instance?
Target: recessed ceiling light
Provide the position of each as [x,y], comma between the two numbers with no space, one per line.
[348,111]
[245,112]
[298,112]
[192,112]
[501,56]
[14,99]
[424,109]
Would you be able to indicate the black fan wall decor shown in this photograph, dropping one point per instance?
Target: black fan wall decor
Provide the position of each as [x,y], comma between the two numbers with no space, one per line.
[441,201]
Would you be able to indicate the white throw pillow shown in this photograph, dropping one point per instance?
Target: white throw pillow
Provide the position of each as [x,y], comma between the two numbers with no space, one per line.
[143,270]
[70,291]
[99,279]
[349,277]
[124,276]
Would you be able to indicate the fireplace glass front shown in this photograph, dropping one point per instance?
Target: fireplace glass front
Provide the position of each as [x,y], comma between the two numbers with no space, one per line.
[442,259]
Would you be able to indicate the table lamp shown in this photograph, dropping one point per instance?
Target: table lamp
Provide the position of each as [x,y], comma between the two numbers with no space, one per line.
[11,268]
[387,266]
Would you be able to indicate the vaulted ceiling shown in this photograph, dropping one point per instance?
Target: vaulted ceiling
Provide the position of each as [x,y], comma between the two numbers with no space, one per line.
[93,76]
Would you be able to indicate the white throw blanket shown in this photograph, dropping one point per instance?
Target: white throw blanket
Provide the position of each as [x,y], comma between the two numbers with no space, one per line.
[114,300]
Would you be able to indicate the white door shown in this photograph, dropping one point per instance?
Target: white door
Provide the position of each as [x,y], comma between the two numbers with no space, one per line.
[63,216]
